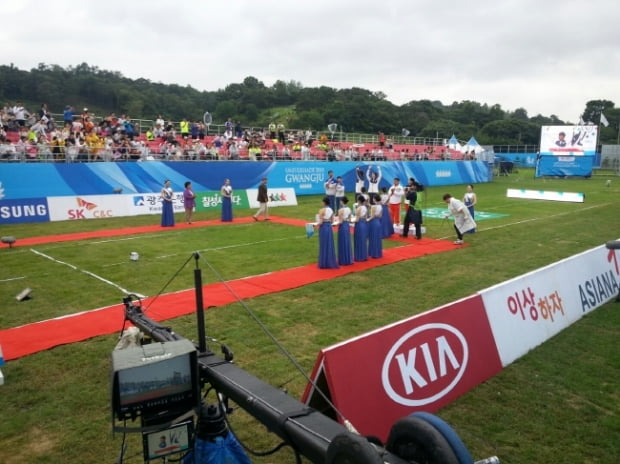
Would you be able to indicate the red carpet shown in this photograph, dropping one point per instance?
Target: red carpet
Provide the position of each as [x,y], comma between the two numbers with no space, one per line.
[31,338]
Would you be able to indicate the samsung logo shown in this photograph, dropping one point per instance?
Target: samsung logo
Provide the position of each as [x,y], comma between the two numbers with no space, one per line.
[21,211]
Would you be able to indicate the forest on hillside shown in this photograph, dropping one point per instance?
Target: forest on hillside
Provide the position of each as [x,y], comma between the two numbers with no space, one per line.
[256,105]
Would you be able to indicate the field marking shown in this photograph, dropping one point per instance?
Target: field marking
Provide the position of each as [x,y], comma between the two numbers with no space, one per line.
[525,221]
[12,278]
[91,274]
[224,247]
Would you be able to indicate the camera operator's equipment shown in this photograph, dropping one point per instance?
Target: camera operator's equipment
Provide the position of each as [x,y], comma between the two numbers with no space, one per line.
[214,441]
[24,294]
[156,380]
[9,240]
[177,438]
[309,432]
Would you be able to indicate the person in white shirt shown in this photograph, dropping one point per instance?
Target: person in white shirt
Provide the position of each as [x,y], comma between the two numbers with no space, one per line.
[20,114]
[374,179]
[339,193]
[330,189]
[396,194]
[463,222]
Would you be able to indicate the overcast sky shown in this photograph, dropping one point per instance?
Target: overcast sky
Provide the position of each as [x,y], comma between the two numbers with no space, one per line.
[547,56]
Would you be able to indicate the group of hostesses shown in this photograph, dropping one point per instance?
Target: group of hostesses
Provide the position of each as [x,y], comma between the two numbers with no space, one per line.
[368,232]
[189,203]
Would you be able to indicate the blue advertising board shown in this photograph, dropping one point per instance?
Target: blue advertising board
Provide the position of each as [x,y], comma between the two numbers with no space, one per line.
[25,180]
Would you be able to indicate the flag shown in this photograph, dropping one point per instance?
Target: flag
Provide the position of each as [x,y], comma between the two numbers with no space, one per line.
[581,121]
[604,120]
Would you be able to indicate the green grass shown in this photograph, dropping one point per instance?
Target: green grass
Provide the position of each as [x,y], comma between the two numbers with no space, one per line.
[558,404]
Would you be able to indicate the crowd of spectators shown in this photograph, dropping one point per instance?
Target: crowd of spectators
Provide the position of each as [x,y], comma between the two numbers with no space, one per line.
[82,136]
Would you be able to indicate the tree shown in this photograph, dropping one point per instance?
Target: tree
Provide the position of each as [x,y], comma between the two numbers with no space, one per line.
[594,108]
[510,131]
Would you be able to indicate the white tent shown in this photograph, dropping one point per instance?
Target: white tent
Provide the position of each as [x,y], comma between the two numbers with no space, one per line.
[454,144]
[472,144]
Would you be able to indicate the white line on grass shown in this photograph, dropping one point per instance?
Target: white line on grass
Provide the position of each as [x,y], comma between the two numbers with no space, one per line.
[126,292]
[225,247]
[525,221]
[12,278]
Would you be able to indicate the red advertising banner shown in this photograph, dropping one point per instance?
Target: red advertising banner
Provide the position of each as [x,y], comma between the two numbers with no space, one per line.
[418,364]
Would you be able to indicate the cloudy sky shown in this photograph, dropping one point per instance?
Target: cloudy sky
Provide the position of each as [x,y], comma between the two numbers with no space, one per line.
[547,56]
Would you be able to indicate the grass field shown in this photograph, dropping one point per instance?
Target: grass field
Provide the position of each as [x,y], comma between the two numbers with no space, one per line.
[558,404]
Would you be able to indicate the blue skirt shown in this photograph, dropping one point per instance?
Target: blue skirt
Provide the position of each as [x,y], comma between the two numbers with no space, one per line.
[386,222]
[360,241]
[327,250]
[375,237]
[167,214]
[345,254]
[227,209]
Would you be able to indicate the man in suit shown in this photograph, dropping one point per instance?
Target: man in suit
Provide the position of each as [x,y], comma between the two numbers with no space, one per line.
[412,216]
[263,200]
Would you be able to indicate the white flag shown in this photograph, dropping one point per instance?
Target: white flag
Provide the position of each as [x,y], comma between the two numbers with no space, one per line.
[604,120]
[581,121]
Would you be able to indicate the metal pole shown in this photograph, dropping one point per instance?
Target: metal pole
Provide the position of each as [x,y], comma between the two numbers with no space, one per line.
[200,314]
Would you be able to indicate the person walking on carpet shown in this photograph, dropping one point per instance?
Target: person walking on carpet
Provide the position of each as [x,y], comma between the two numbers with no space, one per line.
[263,200]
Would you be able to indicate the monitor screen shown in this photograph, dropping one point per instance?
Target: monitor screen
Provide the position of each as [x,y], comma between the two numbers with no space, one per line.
[154,379]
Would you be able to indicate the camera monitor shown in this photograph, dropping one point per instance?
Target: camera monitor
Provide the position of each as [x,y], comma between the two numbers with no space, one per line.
[155,379]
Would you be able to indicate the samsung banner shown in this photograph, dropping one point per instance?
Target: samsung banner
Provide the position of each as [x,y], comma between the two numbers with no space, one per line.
[567,151]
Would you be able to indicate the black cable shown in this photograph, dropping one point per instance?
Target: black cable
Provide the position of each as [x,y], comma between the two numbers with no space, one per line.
[169,282]
[253,452]
[282,349]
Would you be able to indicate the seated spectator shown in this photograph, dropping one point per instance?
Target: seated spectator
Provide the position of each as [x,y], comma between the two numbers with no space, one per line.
[43,149]
[58,148]
[21,147]
[7,149]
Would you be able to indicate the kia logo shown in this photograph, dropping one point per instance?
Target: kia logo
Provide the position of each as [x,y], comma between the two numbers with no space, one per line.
[425,364]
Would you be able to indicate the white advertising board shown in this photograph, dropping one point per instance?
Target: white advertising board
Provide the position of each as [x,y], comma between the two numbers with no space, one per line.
[277,197]
[528,310]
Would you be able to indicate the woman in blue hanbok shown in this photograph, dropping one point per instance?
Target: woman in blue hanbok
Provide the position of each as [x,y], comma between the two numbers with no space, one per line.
[167,208]
[470,199]
[360,236]
[386,223]
[327,250]
[375,228]
[345,253]
[226,191]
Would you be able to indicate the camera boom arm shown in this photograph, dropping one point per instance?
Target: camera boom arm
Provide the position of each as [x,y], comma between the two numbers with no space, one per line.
[305,429]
